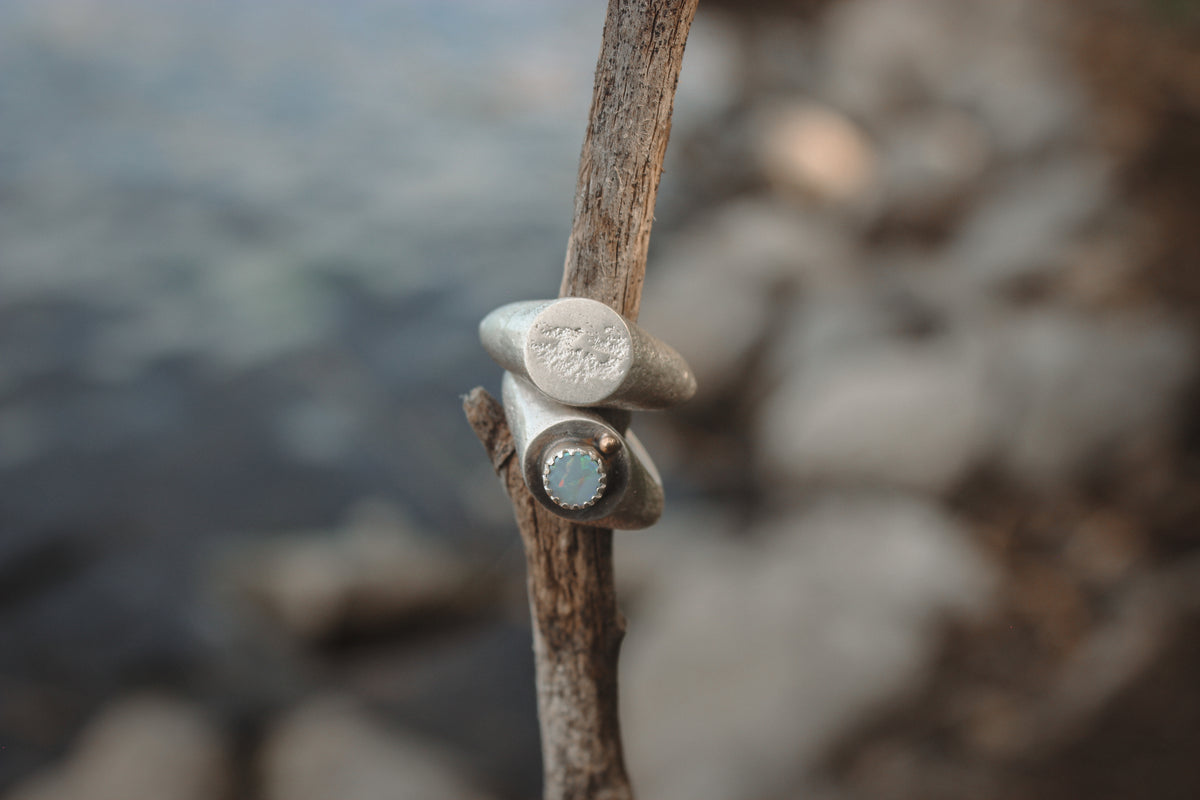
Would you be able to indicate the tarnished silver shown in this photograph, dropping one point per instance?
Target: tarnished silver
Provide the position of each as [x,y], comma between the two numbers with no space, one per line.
[632,495]
[580,352]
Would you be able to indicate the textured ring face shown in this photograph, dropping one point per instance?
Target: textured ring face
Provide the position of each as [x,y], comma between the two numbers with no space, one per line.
[580,349]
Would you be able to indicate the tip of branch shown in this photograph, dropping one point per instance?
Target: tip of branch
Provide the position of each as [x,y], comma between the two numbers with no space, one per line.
[486,416]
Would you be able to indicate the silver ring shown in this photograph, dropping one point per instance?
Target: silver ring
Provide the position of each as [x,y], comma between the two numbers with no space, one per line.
[578,464]
[580,352]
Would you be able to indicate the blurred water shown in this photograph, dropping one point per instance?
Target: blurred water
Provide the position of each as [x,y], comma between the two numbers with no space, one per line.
[208,194]
[243,251]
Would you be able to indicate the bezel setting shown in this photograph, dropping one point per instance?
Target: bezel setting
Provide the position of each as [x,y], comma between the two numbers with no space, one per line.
[563,452]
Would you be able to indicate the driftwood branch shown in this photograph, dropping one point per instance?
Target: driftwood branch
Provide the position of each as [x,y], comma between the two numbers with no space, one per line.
[577,626]
[623,152]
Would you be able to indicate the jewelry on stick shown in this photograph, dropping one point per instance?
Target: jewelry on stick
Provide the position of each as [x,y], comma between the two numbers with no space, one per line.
[574,368]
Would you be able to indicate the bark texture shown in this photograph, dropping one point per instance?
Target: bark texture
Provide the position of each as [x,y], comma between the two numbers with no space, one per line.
[577,627]
[623,153]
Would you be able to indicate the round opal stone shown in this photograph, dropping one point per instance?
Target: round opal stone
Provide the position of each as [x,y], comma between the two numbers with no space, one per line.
[574,478]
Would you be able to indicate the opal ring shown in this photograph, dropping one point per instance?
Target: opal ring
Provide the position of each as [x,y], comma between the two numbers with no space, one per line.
[578,464]
[580,352]
[574,369]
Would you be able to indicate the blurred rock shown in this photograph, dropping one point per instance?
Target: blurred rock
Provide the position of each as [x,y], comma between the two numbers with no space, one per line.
[1025,225]
[915,417]
[330,749]
[711,290]
[816,152]
[469,689]
[743,662]
[709,84]
[998,60]
[891,303]
[139,748]
[882,54]
[373,573]
[1072,387]
[931,160]
[1108,716]
[639,562]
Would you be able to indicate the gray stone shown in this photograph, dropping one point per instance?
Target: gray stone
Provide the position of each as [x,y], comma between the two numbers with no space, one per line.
[915,417]
[373,572]
[742,663]
[331,749]
[999,60]
[1025,224]
[710,288]
[140,747]
[1040,393]
[1071,387]
[640,561]
[930,160]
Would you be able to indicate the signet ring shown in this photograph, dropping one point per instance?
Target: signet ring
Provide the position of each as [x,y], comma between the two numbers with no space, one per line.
[580,352]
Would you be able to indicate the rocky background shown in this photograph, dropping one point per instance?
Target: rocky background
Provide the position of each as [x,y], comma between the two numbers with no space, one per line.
[933,527]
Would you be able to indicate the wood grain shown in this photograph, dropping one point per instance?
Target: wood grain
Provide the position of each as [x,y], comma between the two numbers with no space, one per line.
[623,151]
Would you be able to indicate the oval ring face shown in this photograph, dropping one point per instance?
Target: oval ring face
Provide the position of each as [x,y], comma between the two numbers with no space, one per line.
[578,351]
